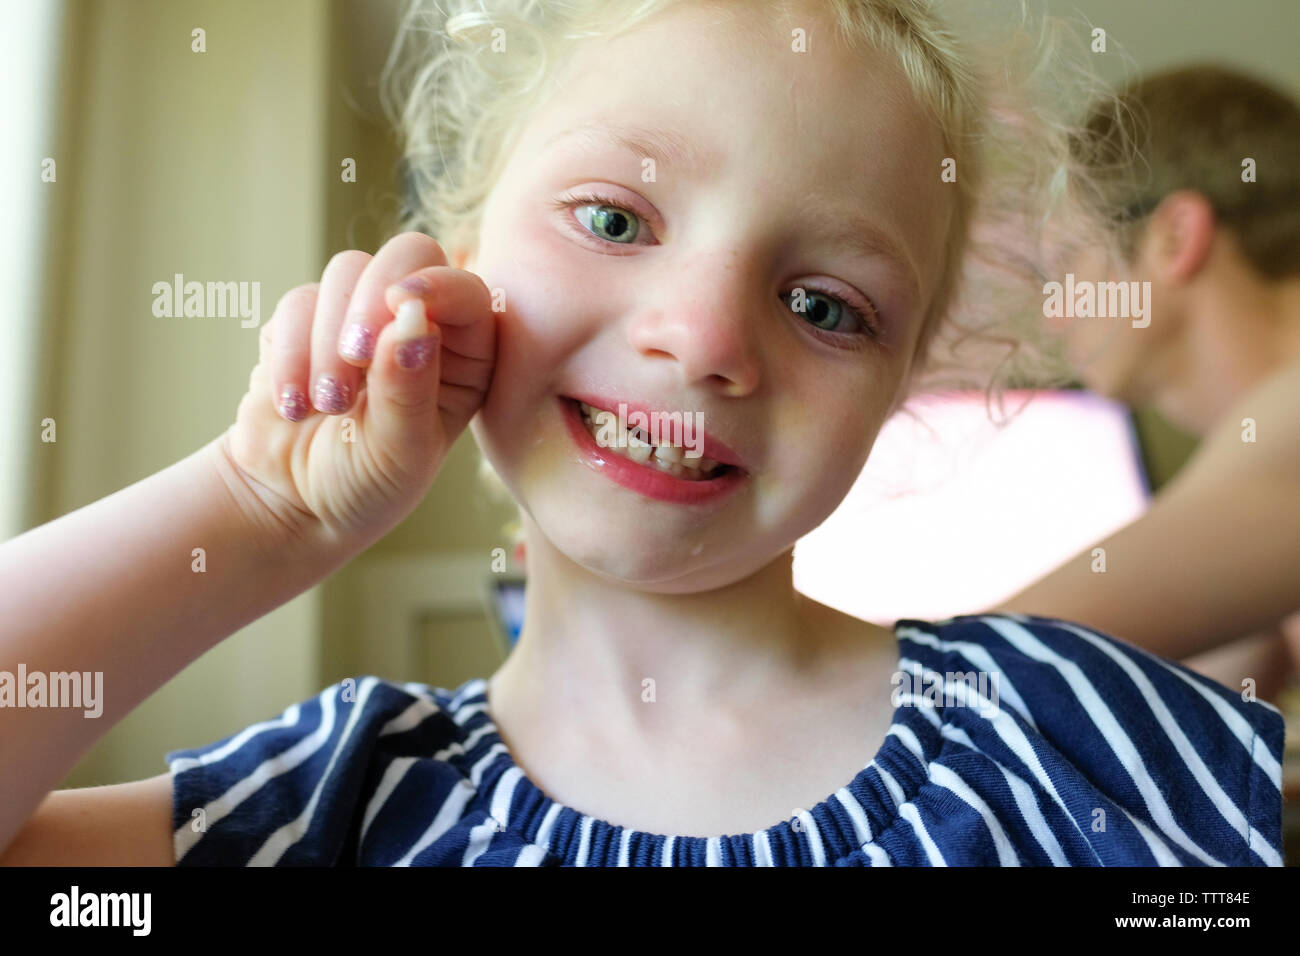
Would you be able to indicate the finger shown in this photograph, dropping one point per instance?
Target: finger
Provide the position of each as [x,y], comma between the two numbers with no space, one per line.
[460,304]
[286,351]
[458,301]
[367,314]
[402,409]
[335,383]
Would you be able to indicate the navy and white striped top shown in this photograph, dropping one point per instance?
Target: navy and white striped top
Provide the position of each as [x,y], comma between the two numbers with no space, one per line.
[1073,749]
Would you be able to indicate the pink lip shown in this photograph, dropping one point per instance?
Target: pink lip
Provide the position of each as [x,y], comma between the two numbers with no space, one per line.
[711,447]
[645,479]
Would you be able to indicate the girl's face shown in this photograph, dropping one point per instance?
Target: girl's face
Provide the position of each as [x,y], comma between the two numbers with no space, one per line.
[648,236]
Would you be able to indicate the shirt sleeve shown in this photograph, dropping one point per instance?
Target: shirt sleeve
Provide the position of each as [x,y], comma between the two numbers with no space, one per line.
[1195,768]
[283,792]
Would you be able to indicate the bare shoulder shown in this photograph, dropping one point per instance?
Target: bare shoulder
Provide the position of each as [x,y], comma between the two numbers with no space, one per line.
[124,824]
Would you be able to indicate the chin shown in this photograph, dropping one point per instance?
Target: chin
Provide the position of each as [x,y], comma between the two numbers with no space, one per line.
[667,570]
[637,558]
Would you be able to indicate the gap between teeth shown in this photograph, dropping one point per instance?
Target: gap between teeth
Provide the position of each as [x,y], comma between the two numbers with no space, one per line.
[669,459]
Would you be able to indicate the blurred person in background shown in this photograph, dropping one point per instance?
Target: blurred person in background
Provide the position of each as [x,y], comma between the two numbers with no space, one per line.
[1211,572]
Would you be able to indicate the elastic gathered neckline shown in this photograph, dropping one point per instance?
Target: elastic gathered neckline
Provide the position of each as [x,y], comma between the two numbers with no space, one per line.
[842,825]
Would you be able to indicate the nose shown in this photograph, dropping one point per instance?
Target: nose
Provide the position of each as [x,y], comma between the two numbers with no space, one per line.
[708,322]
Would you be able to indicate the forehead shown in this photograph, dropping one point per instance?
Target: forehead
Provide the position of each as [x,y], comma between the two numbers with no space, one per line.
[714,92]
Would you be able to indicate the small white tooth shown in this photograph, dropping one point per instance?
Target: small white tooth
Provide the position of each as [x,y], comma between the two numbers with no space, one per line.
[600,425]
[639,452]
[669,453]
[620,435]
[707,465]
[411,321]
[635,440]
[692,463]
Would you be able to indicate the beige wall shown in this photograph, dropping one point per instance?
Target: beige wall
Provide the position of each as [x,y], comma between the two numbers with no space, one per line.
[210,165]
[1256,35]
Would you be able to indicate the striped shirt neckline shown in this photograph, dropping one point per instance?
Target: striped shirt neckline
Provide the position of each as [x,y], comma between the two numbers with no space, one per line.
[840,824]
[1089,751]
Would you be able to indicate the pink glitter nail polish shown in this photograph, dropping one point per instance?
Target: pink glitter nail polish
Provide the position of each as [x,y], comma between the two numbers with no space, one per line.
[416,354]
[331,396]
[416,284]
[358,343]
[293,404]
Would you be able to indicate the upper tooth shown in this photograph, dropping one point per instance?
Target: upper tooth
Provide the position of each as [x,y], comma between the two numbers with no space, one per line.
[671,458]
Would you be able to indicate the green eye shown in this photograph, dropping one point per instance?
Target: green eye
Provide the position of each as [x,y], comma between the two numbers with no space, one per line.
[608,222]
[823,311]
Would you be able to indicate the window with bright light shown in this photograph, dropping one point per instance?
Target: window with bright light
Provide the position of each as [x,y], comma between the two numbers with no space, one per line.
[28,48]
[953,514]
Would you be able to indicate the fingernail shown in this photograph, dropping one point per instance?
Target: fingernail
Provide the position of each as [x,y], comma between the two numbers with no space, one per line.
[410,322]
[293,404]
[415,284]
[418,353]
[358,342]
[331,397]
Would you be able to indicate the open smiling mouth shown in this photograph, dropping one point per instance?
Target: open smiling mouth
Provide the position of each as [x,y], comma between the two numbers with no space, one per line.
[634,448]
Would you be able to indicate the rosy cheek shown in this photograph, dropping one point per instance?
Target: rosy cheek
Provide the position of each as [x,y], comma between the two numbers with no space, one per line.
[553,267]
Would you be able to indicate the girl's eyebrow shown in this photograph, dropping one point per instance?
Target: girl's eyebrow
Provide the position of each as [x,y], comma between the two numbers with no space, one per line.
[664,146]
[864,238]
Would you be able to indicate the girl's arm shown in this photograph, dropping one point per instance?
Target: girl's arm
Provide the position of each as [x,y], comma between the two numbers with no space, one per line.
[123,824]
[1217,555]
[120,591]
[112,588]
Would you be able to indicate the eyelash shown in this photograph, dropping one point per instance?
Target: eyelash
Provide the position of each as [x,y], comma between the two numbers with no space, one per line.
[871,329]
[591,198]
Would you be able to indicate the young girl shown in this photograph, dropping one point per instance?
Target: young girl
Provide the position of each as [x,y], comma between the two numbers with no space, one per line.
[775,220]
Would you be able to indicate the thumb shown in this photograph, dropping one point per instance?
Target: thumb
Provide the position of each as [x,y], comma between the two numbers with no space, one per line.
[403,382]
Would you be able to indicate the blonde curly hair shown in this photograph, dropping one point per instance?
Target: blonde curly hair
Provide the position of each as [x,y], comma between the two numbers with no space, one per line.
[1010,87]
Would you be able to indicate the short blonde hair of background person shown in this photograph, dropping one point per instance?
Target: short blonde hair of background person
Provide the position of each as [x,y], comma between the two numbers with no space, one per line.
[1192,127]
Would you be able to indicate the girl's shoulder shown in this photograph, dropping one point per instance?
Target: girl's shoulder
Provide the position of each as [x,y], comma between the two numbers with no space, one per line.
[1178,750]
[301,787]
[1059,660]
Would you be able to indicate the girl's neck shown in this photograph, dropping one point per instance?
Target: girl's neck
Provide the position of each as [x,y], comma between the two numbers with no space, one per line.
[633,663]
